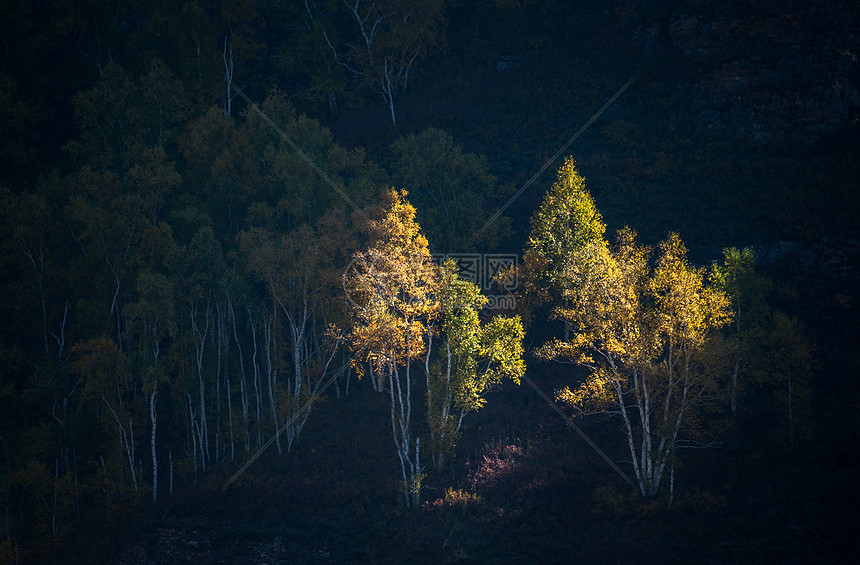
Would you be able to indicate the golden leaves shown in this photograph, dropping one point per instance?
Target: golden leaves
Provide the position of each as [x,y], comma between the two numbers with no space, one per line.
[596,393]
[394,288]
[566,222]
[635,322]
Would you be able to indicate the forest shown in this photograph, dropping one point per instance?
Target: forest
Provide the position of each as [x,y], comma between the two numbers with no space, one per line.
[421,281]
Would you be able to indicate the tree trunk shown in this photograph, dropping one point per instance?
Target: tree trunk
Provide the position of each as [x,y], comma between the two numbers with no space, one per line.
[193,434]
[200,346]
[55,527]
[129,445]
[398,427]
[243,391]
[258,386]
[125,443]
[224,340]
[227,56]
[272,377]
[401,415]
[152,417]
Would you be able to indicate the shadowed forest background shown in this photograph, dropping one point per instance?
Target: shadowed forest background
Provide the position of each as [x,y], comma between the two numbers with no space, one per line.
[173,289]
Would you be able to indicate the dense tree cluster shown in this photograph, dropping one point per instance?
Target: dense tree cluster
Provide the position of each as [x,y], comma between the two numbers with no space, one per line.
[167,304]
[652,332]
[401,302]
[173,282]
[181,285]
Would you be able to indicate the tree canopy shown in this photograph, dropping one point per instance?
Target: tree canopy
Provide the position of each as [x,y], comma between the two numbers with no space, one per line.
[642,327]
[209,227]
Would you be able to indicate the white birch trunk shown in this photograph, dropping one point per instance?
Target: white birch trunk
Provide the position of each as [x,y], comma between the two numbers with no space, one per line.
[125,443]
[258,392]
[401,414]
[227,56]
[152,417]
[200,347]
[243,391]
[272,377]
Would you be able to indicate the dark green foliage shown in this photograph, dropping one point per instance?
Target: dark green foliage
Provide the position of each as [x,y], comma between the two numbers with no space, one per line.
[450,188]
[147,235]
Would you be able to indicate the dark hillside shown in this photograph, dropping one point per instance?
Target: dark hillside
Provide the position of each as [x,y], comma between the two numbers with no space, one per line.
[161,253]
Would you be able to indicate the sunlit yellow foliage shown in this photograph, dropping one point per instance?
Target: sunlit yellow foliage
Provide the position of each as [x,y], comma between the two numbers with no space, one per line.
[394,286]
[596,393]
[475,357]
[407,310]
[566,222]
[642,330]
[640,324]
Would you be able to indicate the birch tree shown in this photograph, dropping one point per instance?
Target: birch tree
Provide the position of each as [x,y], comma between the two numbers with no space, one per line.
[109,387]
[306,58]
[769,348]
[384,42]
[750,312]
[791,366]
[393,286]
[566,222]
[200,276]
[473,357]
[641,327]
[151,323]
[295,272]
